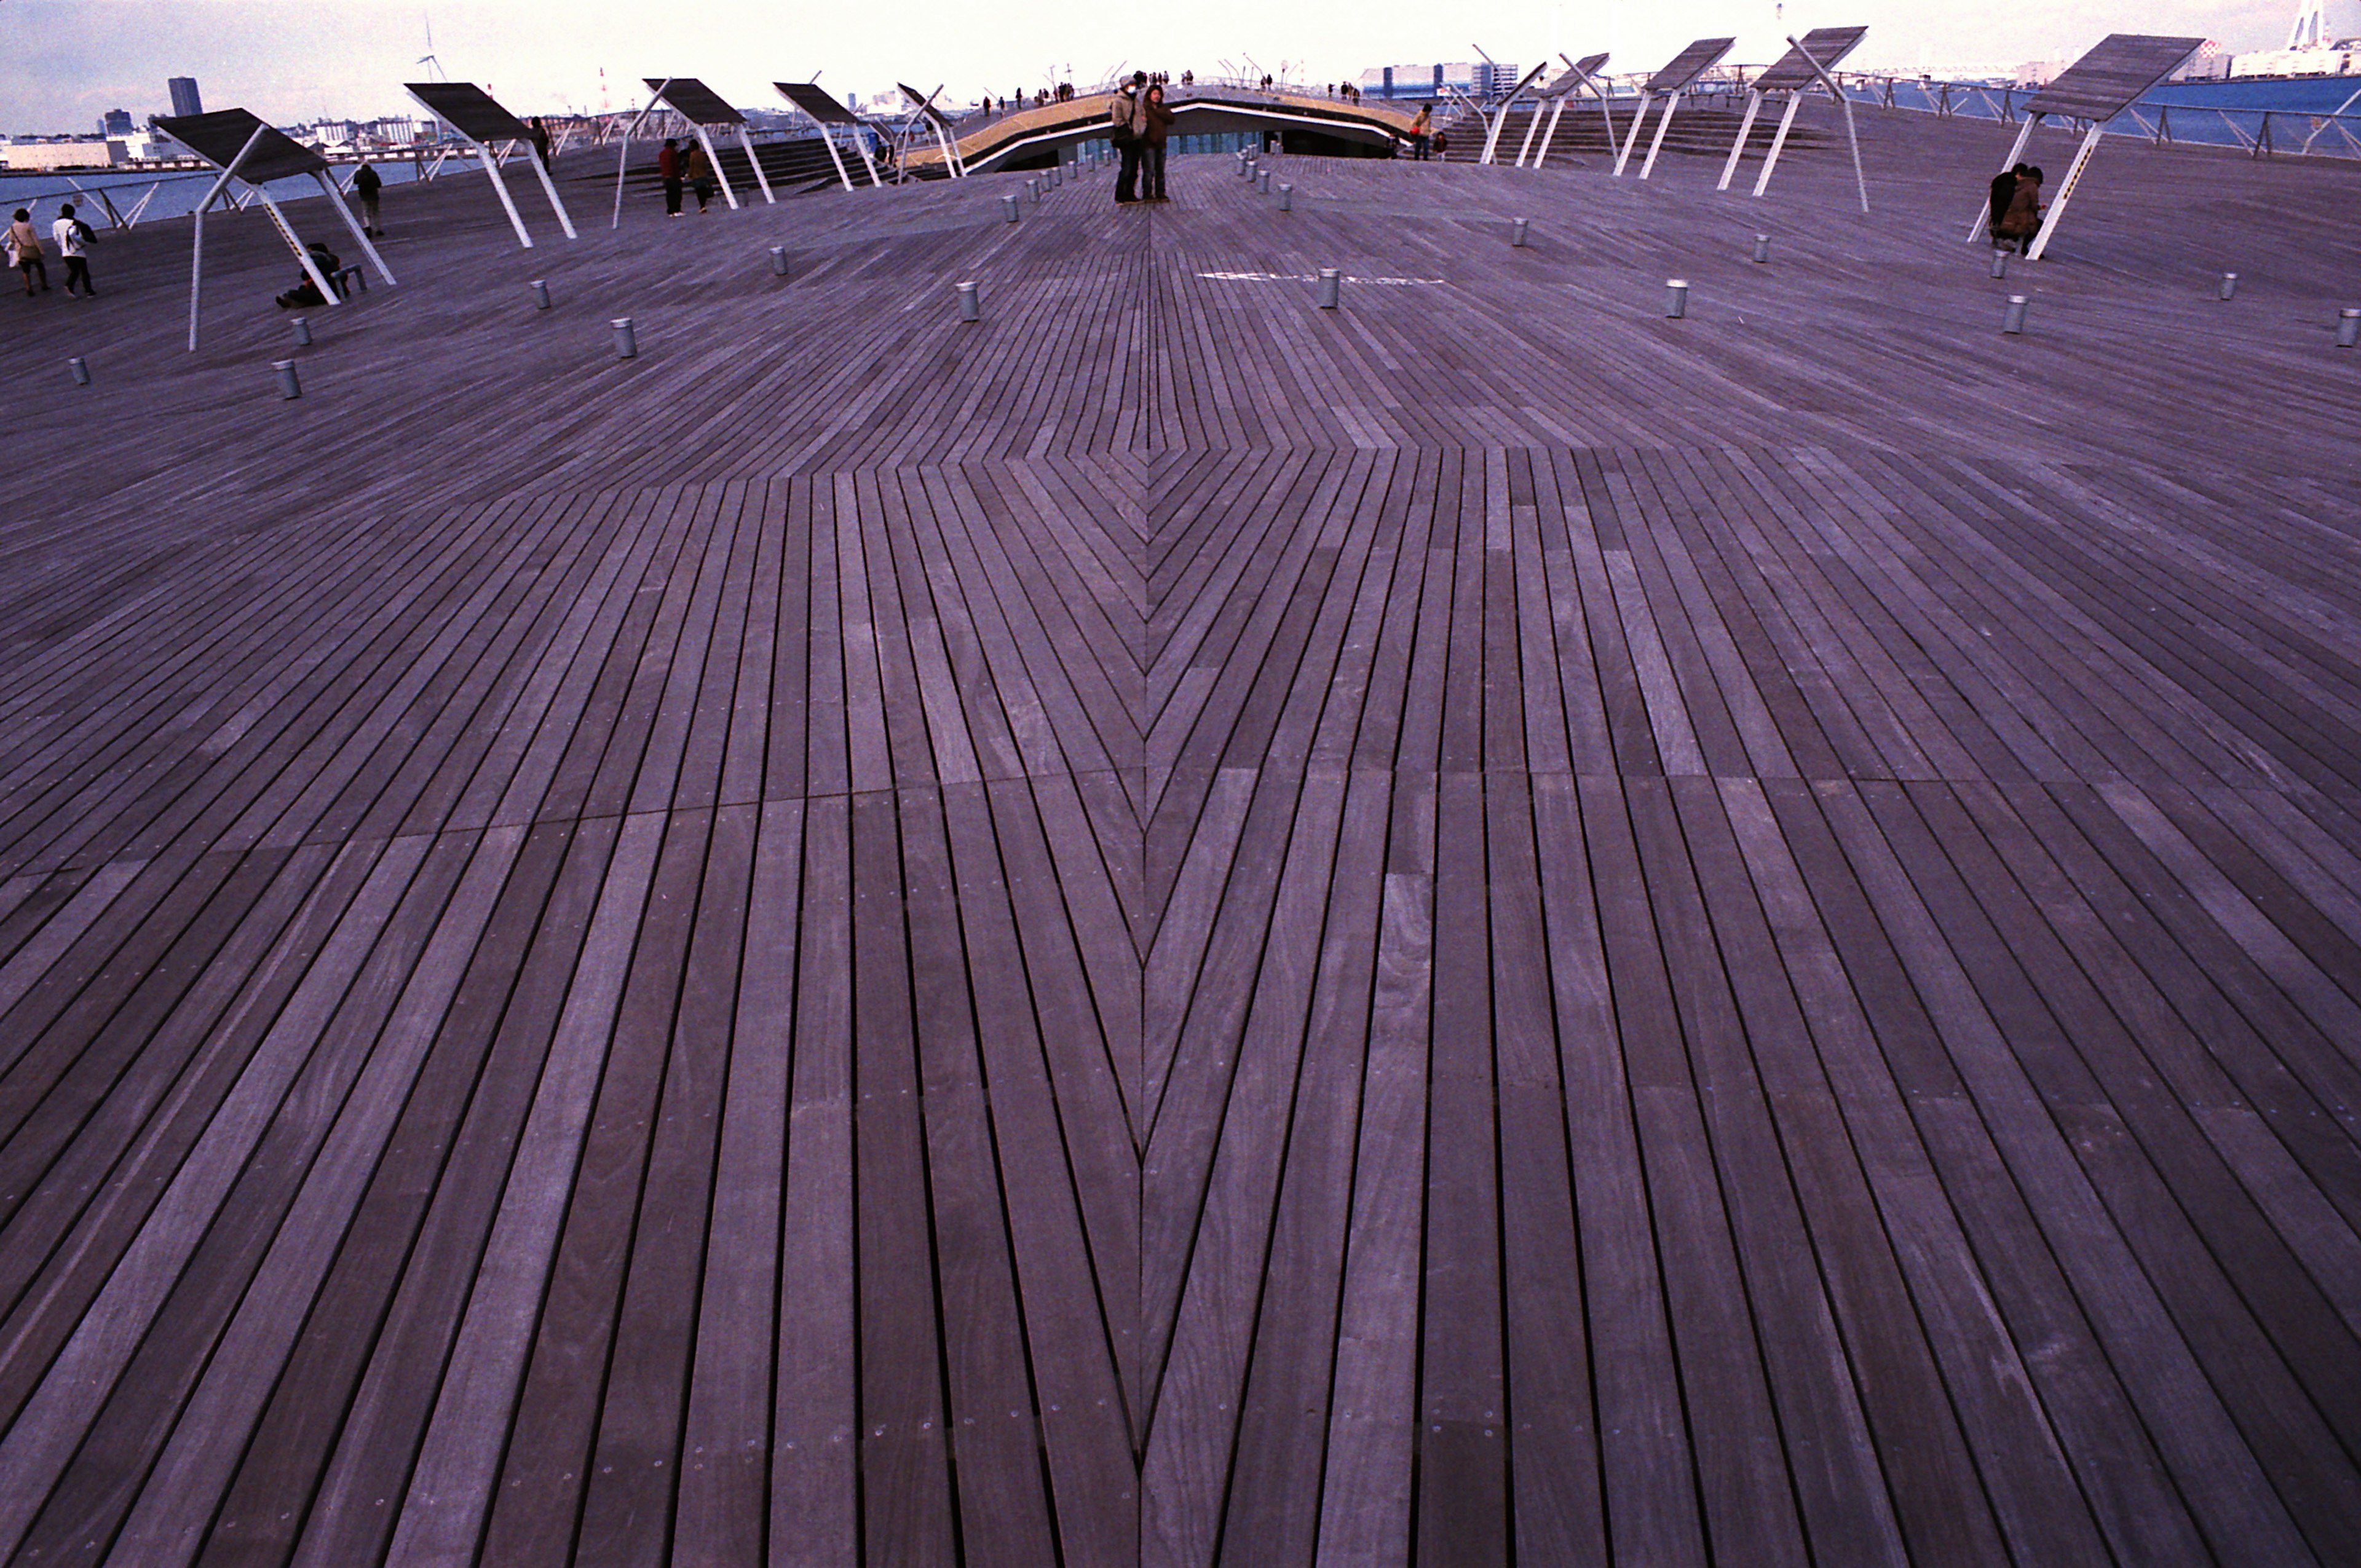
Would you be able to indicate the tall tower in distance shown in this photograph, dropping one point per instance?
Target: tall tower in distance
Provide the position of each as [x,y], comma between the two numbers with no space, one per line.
[184,96]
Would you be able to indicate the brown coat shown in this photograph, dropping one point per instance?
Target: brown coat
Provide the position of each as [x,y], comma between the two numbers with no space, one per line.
[2024,216]
[1158,122]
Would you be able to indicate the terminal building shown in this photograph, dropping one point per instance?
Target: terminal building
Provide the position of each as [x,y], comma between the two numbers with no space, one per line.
[1481,79]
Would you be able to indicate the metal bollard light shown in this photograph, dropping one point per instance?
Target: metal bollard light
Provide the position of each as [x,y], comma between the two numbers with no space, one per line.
[1522,227]
[2349,328]
[1287,198]
[971,305]
[1264,180]
[80,368]
[2229,286]
[1761,248]
[288,386]
[539,287]
[1332,287]
[1008,206]
[1999,267]
[1677,298]
[302,326]
[779,261]
[2014,322]
[1033,189]
[626,342]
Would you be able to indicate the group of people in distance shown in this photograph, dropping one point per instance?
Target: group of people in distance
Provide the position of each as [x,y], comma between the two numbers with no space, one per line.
[29,257]
[1138,124]
[2017,206]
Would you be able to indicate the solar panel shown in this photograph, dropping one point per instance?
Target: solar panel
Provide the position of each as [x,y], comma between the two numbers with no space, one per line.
[2105,82]
[1826,45]
[476,112]
[702,104]
[219,136]
[1568,81]
[919,102]
[814,100]
[1689,64]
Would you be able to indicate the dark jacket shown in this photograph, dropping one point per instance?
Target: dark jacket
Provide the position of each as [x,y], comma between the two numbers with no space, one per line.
[366,181]
[2023,219]
[1159,122]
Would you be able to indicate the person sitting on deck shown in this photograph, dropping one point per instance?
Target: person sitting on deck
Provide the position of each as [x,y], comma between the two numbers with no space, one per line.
[308,292]
[2023,219]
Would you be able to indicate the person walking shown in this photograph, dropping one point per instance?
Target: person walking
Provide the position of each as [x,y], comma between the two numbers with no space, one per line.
[700,175]
[25,251]
[73,238]
[668,169]
[367,184]
[1126,120]
[1421,130]
[1151,145]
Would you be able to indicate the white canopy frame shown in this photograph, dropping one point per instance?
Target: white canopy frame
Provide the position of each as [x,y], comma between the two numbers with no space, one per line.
[953,164]
[1836,44]
[1669,84]
[1501,116]
[492,161]
[1586,78]
[830,115]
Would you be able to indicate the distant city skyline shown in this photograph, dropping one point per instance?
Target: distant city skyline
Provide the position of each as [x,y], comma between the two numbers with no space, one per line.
[74,59]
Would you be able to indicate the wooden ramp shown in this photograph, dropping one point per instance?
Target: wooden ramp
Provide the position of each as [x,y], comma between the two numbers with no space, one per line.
[1180,930]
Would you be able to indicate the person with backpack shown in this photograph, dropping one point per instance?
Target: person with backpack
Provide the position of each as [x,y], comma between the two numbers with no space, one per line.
[25,251]
[1126,119]
[74,237]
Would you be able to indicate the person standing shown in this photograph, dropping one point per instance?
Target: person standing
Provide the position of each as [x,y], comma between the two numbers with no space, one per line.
[1421,129]
[25,251]
[668,169]
[1151,145]
[1125,121]
[541,141]
[367,184]
[73,238]
[700,175]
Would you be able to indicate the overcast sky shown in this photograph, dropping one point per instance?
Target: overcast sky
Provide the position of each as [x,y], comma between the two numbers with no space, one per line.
[69,61]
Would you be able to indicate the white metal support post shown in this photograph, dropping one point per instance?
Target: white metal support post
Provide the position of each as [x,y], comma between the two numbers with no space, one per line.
[1778,143]
[1664,123]
[1532,127]
[1557,113]
[360,236]
[1745,129]
[197,252]
[2066,190]
[1639,118]
[549,187]
[861,146]
[746,140]
[828,140]
[623,152]
[320,280]
[500,187]
[714,158]
[1852,138]
[2015,153]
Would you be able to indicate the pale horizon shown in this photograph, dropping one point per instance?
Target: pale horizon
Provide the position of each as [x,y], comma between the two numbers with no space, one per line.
[292,62]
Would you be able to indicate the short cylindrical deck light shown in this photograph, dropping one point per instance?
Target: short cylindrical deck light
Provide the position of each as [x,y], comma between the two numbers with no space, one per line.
[1999,267]
[1332,287]
[779,261]
[288,386]
[1677,298]
[626,342]
[1287,198]
[971,305]
[1008,206]
[80,368]
[1264,180]
[302,325]
[2014,322]
[2229,286]
[1761,248]
[1033,189]
[539,287]
[2349,328]
[1520,228]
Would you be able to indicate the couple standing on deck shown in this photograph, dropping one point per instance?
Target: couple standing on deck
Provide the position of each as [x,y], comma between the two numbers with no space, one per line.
[1138,123]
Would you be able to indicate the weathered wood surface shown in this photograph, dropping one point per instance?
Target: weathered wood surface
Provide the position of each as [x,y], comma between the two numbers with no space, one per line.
[1180,930]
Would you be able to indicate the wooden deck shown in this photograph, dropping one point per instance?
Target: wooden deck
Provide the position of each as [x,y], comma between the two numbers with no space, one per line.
[1180,930]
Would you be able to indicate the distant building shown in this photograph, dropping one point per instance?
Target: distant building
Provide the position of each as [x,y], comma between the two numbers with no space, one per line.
[117,123]
[184,96]
[64,152]
[1475,79]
